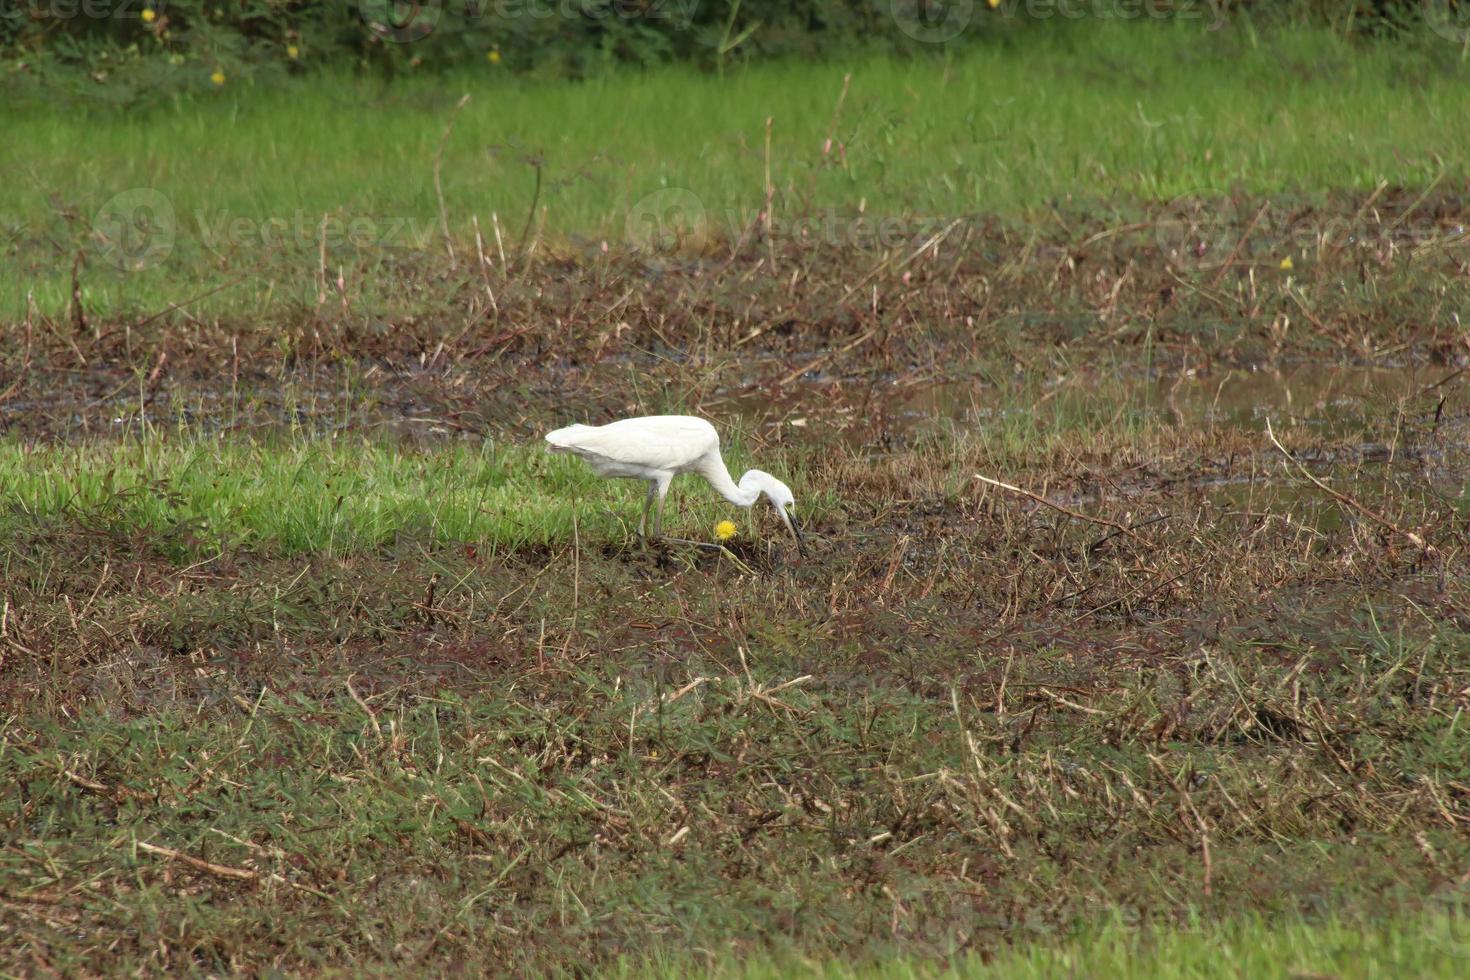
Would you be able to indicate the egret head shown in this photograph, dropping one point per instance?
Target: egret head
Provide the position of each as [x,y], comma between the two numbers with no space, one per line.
[780,495]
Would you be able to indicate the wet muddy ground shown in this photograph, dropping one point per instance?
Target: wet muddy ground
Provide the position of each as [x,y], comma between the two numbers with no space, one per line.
[1170,666]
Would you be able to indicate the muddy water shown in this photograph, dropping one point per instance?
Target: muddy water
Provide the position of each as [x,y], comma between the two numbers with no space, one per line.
[1335,400]
[1376,426]
[1340,403]
[1383,430]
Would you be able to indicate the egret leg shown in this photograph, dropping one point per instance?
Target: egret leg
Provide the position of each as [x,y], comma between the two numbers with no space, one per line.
[661,487]
[647,503]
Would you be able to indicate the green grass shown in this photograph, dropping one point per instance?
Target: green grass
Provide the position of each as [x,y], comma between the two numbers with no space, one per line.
[333,497]
[1102,111]
[1434,946]
[293,493]
[391,757]
[263,712]
[412,797]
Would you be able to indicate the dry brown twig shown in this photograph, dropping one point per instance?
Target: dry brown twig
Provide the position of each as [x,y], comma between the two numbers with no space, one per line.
[78,313]
[1103,521]
[1201,825]
[25,367]
[228,871]
[1415,539]
[1057,698]
[676,695]
[931,242]
[1230,259]
[372,715]
[218,870]
[770,193]
[118,793]
[438,186]
[484,265]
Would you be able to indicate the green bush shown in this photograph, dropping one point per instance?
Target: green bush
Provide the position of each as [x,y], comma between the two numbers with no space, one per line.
[134,50]
[126,50]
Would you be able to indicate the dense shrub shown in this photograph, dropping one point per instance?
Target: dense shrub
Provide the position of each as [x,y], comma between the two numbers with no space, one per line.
[128,43]
[126,50]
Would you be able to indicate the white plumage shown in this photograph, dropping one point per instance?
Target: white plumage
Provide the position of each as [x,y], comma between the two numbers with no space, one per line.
[658,448]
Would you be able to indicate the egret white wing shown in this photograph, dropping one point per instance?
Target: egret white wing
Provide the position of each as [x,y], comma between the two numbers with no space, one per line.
[654,442]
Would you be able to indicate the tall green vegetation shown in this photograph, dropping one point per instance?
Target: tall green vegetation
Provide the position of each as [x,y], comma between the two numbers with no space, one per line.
[341,169]
[136,50]
[129,51]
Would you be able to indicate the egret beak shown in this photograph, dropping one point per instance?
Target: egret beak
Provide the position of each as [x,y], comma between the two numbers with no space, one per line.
[795,526]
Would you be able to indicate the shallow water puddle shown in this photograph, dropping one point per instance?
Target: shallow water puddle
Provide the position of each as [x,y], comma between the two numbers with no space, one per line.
[1380,432]
[1333,400]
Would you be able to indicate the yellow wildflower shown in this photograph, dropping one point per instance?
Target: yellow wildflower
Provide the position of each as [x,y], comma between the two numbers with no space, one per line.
[292,51]
[148,15]
[493,56]
[1286,264]
[725,530]
[218,77]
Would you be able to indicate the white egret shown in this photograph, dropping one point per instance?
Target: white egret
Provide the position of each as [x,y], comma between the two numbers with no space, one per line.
[657,448]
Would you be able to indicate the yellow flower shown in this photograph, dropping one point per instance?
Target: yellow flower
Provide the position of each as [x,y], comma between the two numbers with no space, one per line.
[292,51]
[493,56]
[1286,263]
[993,3]
[725,530]
[148,16]
[218,77]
